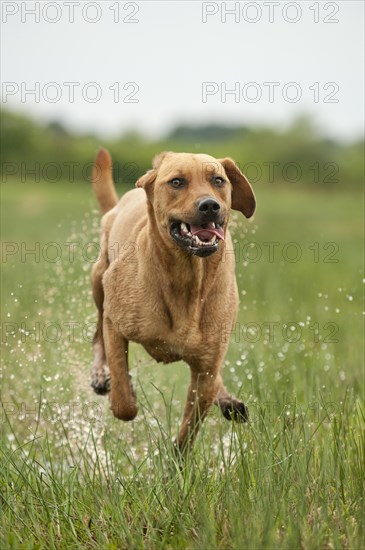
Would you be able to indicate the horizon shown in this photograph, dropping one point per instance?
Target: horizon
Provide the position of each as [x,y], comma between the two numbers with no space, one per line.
[147,138]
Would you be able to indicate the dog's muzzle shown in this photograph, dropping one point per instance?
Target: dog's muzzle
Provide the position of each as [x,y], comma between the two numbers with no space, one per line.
[199,239]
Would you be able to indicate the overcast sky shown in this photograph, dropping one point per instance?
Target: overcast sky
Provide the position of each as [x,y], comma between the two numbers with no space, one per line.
[174,62]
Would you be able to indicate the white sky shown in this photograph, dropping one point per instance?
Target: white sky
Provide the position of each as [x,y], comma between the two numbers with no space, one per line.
[170,52]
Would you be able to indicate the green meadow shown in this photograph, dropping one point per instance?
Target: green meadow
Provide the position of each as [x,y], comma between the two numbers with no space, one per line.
[74,477]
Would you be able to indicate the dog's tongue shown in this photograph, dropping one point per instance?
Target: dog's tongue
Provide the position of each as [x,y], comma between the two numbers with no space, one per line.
[205,232]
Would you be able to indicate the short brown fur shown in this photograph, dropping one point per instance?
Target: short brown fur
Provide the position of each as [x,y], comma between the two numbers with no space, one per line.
[151,291]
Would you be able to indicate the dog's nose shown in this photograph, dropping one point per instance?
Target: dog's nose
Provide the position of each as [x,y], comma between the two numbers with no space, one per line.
[209,206]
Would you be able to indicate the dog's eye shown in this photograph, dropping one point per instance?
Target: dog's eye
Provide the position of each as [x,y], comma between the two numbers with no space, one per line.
[176,182]
[218,180]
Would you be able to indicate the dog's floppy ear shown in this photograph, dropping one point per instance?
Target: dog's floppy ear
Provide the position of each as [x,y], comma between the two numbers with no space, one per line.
[243,198]
[157,160]
[149,177]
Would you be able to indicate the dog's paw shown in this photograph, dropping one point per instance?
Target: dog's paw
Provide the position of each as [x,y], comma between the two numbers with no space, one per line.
[232,409]
[123,410]
[101,384]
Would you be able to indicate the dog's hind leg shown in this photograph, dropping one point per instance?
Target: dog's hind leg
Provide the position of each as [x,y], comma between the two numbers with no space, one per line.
[231,407]
[100,378]
[122,396]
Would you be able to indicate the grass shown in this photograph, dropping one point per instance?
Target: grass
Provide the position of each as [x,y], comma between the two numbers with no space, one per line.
[72,476]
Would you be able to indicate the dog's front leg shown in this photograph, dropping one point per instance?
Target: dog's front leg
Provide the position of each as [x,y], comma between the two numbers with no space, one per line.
[201,395]
[122,396]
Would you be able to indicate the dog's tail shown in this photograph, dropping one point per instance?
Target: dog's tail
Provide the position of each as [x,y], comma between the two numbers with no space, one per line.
[102,178]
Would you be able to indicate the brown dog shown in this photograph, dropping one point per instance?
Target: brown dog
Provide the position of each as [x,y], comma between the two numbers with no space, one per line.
[164,278]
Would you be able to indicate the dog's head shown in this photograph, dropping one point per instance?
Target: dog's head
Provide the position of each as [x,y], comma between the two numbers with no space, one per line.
[191,196]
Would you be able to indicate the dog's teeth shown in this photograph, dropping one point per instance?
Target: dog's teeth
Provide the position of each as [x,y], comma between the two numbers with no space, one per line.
[198,242]
[184,230]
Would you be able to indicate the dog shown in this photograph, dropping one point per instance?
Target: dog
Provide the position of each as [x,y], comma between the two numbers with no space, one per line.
[165,279]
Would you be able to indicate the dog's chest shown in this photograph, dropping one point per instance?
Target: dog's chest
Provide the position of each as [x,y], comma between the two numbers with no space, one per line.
[173,330]
[167,332]
[171,322]
[172,344]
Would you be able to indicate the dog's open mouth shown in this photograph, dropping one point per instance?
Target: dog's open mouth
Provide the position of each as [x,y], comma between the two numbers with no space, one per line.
[201,240]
